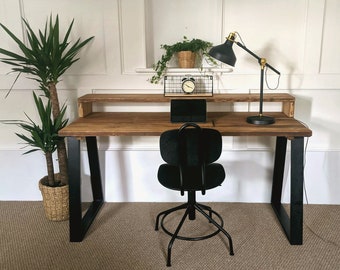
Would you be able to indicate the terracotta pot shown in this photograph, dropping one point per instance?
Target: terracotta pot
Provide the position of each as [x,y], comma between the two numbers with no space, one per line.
[55,200]
[186,59]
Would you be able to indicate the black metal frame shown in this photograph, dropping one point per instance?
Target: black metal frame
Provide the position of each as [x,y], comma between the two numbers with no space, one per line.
[292,225]
[78,224]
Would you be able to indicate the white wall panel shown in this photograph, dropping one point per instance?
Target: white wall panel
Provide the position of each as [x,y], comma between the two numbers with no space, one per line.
[169,21]
[132,35]
[331,39]
[272,29]
[314,31]
[299,38]
[320,111]
[20,174]
[10,17]
[321,184]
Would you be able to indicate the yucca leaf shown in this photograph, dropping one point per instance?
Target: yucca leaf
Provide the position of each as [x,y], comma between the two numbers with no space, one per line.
[55,34]
[32,142]
[18,41]
[30,151]
[15,57]
[65,41]
[30,33]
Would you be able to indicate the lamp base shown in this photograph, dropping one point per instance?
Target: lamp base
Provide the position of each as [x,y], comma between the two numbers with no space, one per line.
[260,120]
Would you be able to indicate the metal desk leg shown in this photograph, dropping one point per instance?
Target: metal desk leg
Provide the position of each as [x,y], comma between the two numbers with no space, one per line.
[296,192]
[292,225]
[78,224]
[76,234]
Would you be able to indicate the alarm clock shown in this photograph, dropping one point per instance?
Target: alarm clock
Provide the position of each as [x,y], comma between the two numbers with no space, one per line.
[188,85]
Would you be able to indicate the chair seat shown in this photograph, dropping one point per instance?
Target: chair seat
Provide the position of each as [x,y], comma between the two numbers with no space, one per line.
[169,177]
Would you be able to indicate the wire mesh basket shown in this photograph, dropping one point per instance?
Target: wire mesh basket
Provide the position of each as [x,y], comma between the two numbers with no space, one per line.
[173,85]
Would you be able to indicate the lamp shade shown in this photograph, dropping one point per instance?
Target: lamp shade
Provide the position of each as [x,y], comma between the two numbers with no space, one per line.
[224,53]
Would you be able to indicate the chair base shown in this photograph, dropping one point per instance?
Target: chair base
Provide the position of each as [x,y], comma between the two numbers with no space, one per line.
[190,207]
[164,214]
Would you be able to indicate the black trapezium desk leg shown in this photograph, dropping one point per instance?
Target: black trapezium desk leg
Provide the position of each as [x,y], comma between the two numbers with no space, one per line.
[73,146]
[78,224]
[279,166]
[296,193]
[292,225]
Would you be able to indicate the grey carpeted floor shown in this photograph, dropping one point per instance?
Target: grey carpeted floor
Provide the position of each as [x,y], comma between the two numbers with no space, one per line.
[123,237]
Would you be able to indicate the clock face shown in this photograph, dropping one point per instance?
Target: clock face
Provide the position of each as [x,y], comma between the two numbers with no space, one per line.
[188,86]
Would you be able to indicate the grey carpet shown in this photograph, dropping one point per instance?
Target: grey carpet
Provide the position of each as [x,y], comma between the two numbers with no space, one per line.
[123,237]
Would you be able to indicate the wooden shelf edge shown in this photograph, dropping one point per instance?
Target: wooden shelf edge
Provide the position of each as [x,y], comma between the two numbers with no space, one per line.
[85,102]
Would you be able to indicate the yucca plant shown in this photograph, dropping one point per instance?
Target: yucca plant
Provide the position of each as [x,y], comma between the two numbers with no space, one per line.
[45,59]
[43,137]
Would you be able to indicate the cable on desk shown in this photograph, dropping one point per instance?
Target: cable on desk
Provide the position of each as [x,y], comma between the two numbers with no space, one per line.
[304,164]
[305,161]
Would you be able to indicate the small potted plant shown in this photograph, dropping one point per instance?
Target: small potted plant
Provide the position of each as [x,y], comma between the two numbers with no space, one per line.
[187,52]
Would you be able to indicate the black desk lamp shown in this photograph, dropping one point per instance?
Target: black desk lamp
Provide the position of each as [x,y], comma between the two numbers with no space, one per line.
[225,54]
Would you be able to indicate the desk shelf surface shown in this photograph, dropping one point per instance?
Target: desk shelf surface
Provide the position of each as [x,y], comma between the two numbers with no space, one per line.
[85,102]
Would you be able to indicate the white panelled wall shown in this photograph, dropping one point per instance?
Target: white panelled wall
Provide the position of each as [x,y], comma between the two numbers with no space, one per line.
[299,38]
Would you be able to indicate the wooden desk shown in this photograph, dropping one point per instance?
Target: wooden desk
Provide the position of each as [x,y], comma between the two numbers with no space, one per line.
[95,124]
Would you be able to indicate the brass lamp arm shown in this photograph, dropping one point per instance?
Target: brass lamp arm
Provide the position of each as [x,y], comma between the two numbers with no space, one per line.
[262,61]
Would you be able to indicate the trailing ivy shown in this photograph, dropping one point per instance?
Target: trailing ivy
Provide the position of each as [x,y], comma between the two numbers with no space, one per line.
[195,45]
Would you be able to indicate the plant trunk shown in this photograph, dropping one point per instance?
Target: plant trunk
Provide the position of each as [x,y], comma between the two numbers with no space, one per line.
[62,160]
[50,169]
[61,147]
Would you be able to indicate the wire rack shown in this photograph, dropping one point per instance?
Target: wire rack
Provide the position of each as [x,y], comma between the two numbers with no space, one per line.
[203,85]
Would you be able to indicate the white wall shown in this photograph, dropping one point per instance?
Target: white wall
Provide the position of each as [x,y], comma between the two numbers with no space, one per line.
[299,38]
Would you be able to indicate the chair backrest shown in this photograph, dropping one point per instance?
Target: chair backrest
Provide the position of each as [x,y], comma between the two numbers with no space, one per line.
[190,145]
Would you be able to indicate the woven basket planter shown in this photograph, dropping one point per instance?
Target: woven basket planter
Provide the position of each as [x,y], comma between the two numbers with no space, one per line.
[55,200]
[186,59]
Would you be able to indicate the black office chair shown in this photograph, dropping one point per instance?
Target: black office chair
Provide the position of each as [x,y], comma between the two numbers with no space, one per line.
[189,153]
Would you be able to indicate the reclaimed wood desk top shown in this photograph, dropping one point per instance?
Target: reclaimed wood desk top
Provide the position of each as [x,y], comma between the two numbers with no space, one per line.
[154,123]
